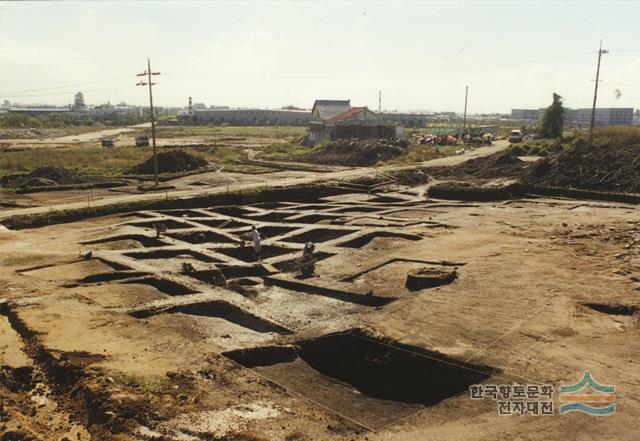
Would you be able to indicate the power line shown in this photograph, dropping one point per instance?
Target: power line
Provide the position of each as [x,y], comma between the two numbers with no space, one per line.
[35,95]
[66,86]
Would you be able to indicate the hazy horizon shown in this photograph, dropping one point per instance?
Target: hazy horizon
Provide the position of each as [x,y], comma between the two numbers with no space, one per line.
[273,54]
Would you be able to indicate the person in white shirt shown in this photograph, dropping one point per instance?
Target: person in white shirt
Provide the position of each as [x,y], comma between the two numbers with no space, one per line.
[255,236]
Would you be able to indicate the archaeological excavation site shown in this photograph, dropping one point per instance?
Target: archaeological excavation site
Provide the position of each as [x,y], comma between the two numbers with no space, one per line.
[367,310]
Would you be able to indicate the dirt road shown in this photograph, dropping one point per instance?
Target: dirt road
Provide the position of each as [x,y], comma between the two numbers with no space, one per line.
[73,139]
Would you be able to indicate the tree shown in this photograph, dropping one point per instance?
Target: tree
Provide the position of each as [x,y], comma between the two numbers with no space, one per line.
[553,118]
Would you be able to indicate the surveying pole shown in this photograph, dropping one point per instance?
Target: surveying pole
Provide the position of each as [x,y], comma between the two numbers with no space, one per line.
[595,96]
[148,74]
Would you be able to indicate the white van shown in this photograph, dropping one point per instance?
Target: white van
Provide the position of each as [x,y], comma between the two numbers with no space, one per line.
[515,136]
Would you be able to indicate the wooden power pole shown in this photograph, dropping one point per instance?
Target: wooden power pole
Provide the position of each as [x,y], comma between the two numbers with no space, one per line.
[148,74]
[595,96]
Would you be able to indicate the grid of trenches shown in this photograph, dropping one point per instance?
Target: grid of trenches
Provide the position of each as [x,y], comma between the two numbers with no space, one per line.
[371,381]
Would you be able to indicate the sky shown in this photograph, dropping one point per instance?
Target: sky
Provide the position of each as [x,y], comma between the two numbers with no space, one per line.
[511,54]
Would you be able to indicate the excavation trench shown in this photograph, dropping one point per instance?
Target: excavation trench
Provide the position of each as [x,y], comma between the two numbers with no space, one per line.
[143,240]
[168,287]
[613,309]
[204,236]
[372,381]
[169,223]
[110,277]
[318,235]
[363,240]
[345,296]
[222,223]
[229,272]
[64,373]
[169,253]
[218,309]
[247,253]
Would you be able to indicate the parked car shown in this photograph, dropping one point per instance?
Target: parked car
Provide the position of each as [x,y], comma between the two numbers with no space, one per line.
[515,136]
[107,142]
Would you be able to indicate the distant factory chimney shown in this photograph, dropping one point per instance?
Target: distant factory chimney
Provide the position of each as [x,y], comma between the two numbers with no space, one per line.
[190,109]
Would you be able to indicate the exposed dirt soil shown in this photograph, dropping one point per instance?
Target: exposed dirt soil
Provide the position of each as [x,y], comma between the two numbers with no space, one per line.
[603,168]
[129,343]
[498,165]
[44,176]
[173,161]
[361,152]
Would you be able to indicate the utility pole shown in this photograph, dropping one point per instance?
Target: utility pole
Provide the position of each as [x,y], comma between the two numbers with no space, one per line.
[148,74]
[464,117]
[595,96]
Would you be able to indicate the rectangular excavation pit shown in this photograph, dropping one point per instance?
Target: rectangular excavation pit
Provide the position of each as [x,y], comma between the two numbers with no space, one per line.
[388,199]
[217,309]
[274,216]
[247,253]
[371,381]
[181,213]
[201,236]
[110,277]
[222,223]
[168,287]
[292,265]
[229,272]
[363,240]
[231,210]
[170,253]
[269,231]
[316,219]
[318,235]
[345,296]
[613,309]
[143,240]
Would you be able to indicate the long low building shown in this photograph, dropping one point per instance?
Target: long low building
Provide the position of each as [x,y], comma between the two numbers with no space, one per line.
[605,116]
[249,117]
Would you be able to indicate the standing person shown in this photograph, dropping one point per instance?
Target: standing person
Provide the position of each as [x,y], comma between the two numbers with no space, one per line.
[255,236]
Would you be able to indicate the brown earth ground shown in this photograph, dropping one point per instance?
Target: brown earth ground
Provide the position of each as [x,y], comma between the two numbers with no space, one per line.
[129,343]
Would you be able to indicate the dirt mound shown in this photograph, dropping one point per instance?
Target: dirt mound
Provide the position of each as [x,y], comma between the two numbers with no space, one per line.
[498,165]
[173,161]
[602,168]
[360,152]
[44,176]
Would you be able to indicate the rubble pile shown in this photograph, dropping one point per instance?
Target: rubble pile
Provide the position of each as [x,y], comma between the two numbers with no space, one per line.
[498,165]
[173,161]
[44,176]
[357,152]
[600,168]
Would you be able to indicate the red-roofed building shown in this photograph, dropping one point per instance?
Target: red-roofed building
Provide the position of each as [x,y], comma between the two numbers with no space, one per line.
[337,119]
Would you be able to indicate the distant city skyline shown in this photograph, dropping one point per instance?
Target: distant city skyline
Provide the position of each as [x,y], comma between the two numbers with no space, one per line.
[273,54]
